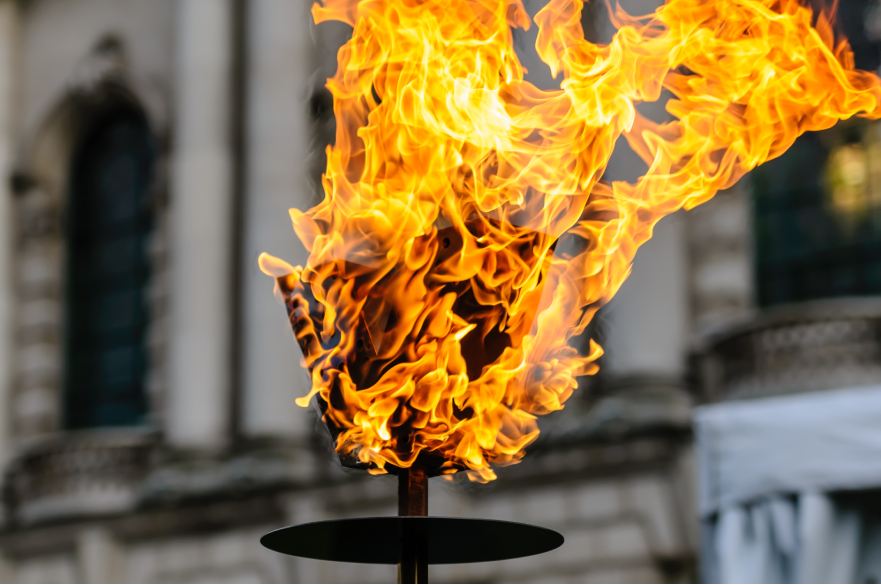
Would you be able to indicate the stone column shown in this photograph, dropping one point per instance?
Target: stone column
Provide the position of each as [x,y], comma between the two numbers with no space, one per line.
[646,326]
[201,227]
[647,323]
[101,558]
[720,243]
[7,246]
[280,81]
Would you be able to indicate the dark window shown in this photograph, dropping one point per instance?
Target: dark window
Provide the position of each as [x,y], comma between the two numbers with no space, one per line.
[818,207]
[109,220]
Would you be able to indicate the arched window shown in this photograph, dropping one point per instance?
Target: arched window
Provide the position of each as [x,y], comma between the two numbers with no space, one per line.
[108,221]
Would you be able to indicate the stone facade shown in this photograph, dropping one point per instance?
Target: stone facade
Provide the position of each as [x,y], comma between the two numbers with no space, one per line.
[232,92]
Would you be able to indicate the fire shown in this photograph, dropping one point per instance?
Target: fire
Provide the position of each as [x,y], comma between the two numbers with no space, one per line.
[466,238]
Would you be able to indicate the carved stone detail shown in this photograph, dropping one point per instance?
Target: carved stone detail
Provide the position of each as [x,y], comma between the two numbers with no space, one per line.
[77,474]
[819,345]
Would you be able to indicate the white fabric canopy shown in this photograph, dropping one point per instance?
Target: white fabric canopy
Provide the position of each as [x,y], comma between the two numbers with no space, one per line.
[788,488]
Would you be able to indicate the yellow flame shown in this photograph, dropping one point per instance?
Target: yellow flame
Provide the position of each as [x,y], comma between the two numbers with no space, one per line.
[464,212]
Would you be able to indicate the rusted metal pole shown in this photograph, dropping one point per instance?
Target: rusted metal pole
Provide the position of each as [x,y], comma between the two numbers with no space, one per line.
[413,501]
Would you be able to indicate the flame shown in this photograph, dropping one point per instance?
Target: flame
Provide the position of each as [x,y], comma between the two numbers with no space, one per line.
[466,239]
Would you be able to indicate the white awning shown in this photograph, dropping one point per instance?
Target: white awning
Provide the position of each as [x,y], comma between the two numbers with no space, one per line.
[820,441]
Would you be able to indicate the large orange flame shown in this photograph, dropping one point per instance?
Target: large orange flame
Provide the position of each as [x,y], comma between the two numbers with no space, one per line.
[466,238]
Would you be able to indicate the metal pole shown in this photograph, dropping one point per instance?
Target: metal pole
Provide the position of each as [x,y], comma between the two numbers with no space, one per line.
[413,501]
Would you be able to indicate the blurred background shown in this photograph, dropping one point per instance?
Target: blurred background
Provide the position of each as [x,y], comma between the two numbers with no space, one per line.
[149,150]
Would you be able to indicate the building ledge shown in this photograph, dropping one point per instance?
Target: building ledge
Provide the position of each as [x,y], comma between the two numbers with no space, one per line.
[76,476]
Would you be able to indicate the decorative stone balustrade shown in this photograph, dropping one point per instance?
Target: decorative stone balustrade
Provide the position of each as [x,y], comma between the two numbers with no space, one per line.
[820,345]
[78,474]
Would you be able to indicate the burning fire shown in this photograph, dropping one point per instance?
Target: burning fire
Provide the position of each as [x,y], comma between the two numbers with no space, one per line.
[466,237]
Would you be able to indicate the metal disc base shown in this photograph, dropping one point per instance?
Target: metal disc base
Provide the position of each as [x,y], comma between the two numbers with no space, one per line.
[379,539]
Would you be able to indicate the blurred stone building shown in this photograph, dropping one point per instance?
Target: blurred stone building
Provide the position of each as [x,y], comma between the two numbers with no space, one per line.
[150,149]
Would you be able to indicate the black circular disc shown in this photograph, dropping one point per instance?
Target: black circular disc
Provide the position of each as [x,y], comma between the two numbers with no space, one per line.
[378,540]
